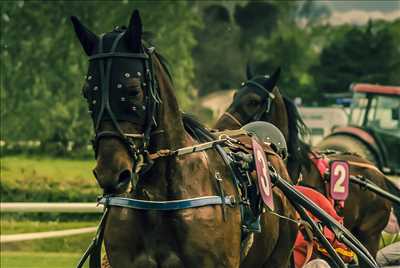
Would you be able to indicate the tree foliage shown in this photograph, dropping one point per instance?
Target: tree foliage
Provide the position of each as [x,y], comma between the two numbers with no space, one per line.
[43,65]
[369,55]
[219,63]
[207,45]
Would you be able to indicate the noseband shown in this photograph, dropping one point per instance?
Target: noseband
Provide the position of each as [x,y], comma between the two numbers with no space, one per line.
[148,110]
[257,115]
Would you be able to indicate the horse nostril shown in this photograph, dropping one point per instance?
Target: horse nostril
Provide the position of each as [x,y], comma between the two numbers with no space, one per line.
[124,178]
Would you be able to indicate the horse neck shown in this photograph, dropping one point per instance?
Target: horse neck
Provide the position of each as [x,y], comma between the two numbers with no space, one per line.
[225,122]
[169,115]
[280,117]
[312,178]
[160,179]
[299,151]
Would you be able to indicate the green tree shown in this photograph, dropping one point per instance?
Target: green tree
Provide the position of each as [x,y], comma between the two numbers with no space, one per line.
[276,38]
[363,54]
[219,63]
[43,65]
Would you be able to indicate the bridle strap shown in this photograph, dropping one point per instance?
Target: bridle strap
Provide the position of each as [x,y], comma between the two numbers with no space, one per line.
[258,85]
[105,84]
[266,107]
[151,98]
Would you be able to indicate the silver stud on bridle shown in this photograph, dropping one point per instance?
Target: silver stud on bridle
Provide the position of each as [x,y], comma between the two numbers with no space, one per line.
[123,99]
[95,88]
[127,75]
[119,86]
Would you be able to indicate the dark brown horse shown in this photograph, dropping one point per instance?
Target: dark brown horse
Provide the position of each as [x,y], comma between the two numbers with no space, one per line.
[135,114]
[365,213]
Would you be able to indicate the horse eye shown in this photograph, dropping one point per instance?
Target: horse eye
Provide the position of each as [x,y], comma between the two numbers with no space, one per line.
[254,102]
[133,92]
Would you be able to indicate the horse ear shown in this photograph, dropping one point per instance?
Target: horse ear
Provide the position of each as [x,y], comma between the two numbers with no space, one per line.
[88,39]
[274,77]
[135,31]
[271,81]
[249,71]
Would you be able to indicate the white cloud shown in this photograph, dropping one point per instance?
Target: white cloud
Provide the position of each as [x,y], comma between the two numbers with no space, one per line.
[360,17]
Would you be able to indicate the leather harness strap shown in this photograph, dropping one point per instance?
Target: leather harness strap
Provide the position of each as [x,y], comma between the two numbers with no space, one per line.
[167,205]
[233,118]
[94,249]
[364,165]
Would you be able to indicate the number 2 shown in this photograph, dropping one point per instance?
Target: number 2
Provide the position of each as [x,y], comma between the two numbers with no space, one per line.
[339,171]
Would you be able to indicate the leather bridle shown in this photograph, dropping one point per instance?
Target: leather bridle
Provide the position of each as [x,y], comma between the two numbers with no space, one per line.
[105,61]
[258,114]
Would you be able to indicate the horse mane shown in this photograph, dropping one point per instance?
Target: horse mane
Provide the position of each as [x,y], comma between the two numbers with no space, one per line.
[196,129]
[297,148]
[148,42]
[165,65]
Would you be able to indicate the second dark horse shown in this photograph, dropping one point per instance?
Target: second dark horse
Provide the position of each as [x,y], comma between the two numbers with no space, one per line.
[365,213]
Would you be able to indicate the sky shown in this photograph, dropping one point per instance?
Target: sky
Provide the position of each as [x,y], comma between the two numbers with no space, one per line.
[359,12]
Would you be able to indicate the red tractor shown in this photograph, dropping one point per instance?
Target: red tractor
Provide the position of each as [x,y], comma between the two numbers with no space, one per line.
[374,127]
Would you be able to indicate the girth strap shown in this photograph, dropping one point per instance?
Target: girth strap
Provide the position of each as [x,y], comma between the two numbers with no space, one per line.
[167,205]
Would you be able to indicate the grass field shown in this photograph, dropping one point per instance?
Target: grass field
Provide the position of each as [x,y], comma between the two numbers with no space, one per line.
[11,226]
[72,244]
[51,252]
[29,178]
[38,260]
[15,167]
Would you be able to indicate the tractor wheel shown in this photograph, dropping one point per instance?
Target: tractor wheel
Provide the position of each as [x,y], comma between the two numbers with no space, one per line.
[347,144]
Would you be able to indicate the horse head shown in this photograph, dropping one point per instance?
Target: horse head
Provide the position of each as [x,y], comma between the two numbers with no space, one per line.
[258,99]
[122,92]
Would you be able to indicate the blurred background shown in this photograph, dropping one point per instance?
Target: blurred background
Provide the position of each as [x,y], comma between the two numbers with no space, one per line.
[321,46]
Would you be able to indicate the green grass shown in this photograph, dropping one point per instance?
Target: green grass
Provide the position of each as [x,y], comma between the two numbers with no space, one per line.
[11,226]
[29,178]
[73,244]
[38,260]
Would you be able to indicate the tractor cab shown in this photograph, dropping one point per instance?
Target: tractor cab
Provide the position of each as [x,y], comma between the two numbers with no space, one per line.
[377,108]
[374,126]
